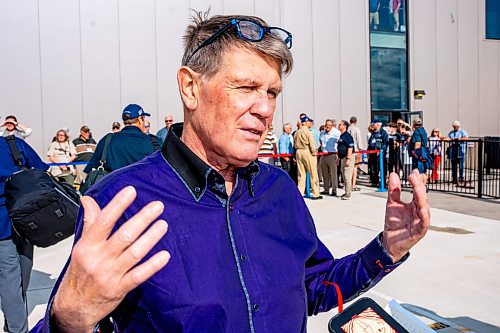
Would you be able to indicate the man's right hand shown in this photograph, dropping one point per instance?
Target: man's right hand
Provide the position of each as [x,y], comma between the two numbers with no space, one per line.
[102,268]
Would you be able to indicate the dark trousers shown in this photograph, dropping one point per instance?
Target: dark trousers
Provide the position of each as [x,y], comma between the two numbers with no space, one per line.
[285,165]
[375,168]
[457,163]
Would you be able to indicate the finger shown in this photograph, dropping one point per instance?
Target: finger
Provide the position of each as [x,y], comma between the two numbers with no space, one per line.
[141,246]
[108,216]
[420,200]
[134,227]
[144,271]
[90,212]
[394,188]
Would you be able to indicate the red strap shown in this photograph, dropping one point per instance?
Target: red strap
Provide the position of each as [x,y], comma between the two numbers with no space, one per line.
[340,300]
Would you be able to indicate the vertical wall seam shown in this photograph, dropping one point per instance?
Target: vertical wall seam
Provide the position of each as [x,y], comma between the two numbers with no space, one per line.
[156,65]
[119,53]
[312,59]
[437,61]
[457,20]
[368,71]
[340,58]
[81,58]
[41,72]
[478,68]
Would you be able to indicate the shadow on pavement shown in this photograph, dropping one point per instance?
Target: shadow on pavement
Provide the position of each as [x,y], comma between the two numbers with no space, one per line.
[39,289]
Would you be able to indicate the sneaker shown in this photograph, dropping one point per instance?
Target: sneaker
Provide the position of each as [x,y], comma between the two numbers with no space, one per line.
[356,189]
[334,194]
[317,198]
[325,192]
[345,197]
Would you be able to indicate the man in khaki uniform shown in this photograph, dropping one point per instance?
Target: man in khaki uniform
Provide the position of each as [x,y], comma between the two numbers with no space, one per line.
[305,152]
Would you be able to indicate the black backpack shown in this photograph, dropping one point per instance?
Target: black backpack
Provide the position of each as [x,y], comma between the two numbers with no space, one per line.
[43,210]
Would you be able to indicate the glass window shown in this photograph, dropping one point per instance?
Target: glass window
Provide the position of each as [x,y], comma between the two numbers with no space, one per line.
[388,79]
[493,19]
[387,15]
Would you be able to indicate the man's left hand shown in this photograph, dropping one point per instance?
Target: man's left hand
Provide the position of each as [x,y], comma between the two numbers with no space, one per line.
[405,223]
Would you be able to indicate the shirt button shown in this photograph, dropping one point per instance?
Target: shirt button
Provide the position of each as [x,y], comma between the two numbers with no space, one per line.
[231,207]
[197,189]
[243,257]
[256,307]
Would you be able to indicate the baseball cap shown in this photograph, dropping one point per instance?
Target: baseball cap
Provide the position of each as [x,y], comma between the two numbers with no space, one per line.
[305,119]
[85,129]
[132,111]
[376,120]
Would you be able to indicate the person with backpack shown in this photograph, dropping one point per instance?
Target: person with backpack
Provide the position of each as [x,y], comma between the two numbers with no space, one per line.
[421,159]
[129,145]
[16,256]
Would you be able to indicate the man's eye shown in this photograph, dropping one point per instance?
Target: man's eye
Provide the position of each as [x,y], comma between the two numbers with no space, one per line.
[272,94]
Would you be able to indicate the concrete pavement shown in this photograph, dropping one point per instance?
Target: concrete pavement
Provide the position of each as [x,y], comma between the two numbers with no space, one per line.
[452,273]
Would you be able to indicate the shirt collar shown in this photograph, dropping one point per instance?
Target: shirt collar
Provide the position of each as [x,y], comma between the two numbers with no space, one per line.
[196,174]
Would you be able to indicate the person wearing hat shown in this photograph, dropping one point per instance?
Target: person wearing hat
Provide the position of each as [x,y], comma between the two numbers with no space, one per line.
[305,151]
[85,147]
[129,145]
[12,127]
[378,141]
[419,141]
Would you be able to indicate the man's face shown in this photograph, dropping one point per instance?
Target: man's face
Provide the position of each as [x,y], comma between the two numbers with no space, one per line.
[85,135]
[341,127]
[168,122]
[236,106]
[288,129]
[10,124]
[456,127]
[328,126]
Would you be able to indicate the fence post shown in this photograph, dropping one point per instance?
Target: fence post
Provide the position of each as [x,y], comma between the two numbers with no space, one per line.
[308,185]
[381,168]
[480,168]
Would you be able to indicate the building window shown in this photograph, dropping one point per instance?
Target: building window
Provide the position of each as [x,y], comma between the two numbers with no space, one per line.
[388,55]
[492,19]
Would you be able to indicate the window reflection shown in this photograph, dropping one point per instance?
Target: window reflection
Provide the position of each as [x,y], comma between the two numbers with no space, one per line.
[388,15]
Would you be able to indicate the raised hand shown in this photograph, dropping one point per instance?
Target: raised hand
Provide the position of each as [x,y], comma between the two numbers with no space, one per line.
[405,223]
[103,269]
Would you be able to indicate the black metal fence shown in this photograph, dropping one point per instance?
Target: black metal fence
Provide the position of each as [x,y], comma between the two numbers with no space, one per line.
[469,167]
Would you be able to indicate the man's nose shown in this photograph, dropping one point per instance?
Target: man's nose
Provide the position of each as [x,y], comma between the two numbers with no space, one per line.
[264,106]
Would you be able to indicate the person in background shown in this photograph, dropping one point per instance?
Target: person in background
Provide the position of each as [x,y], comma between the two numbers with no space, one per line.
[457,150]
[371,129]
[85,147]
[378,141]
[419,141]
[127,146]
[16,255]
[404,129]
[269,147]
[355,132]
[285,146]
[394,136]
[11,127]
[116,127]
[147,126]
[374,16]
[346,156]
[62,150]
[305,152]
[162,132]
[328,139]
[435,151]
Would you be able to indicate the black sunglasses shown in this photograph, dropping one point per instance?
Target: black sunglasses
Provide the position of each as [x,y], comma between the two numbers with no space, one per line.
[247,30]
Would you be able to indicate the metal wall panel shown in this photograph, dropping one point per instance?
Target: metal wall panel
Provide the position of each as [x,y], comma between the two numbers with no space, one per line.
[100,54]
[61,68]
[20,86]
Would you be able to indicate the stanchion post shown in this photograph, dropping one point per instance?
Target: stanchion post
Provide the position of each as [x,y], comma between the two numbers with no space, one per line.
[381,168]
[308,185]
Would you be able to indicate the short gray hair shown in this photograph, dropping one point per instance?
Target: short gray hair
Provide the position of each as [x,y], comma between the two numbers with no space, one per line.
[456,123]
[285,125]
[208,59]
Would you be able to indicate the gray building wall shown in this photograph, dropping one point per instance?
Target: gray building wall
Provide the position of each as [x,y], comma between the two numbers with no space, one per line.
[73,62]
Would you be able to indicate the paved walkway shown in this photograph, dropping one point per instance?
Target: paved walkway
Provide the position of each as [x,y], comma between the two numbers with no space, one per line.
[454,272]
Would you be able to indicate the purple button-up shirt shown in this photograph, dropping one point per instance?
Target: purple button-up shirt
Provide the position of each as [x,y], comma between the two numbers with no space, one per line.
[248,262]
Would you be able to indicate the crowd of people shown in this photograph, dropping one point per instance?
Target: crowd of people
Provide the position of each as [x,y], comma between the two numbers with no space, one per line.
[333,154]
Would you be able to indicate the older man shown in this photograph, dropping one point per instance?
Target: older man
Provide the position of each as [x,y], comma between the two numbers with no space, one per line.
[285,146]
[328,163]
[162,133]
[457,151]
[244,252]
[307,163]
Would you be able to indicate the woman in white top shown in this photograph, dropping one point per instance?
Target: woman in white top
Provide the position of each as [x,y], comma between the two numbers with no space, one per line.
[62,150]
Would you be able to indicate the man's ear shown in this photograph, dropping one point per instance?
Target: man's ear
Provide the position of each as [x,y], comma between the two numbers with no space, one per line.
[188,82]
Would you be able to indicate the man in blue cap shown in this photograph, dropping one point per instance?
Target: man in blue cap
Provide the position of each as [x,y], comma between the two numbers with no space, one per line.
[378,141]
[129,145]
